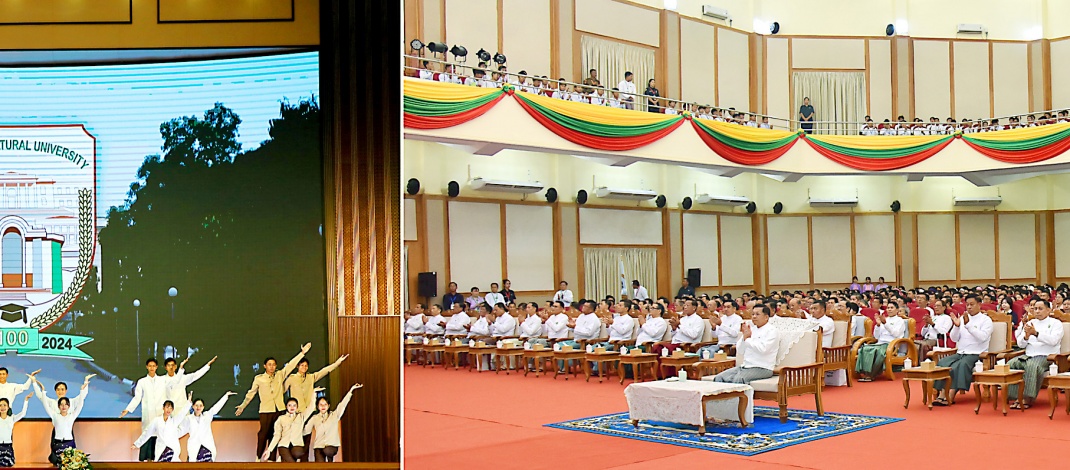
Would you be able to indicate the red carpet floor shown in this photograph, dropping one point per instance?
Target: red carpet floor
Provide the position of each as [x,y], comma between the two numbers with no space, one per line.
[456,419]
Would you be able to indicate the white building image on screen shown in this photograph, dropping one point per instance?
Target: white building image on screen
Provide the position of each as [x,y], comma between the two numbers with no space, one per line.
[38,237]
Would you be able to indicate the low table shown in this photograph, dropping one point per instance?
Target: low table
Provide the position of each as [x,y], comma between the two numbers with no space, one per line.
[926,377]
[685,402]
[996,381]
[1056,383]
[716,366]
[637,361]
[503,354]
[600,359]
[476,353]
[410,351]
[680,363]
[568,357]
[540,357]
[453,352]
[430,351]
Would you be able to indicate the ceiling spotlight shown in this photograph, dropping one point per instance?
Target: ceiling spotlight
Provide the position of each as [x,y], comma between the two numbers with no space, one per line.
[774,28]
[438,47]
[459,52]
[416,45]
[499,58]
[483,55]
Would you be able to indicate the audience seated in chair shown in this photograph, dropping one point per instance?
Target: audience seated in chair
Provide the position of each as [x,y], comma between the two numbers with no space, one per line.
[935,329]
[870,361]
[973,334]
[1041,337]
[758,345]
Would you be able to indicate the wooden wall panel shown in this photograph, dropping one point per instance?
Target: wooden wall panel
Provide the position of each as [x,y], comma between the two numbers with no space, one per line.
[529,239]
[977,246]
[619,20]
[932,79]
[733,70]
[1010,78]
[971,81]
[875,247]
[371,424]
[700,246]
[936,247]
[787,242]
[777,79]
[1062,244]
[620,227]
[474,25]
[840,53]
[880,79]
[738,251]
[1018,243]
[57,12]
[475,244]
[195,11]
[1060,67]
[831,241]
[697,58]
[525,25]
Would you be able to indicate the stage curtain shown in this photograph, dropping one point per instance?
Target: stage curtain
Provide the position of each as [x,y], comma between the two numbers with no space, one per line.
[610,271]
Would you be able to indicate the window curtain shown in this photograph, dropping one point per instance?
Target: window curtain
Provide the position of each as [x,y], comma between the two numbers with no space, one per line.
[835,96]
[610,271]
[611,59]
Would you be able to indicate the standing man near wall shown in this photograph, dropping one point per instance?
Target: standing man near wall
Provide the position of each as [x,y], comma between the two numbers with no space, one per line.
[806,116]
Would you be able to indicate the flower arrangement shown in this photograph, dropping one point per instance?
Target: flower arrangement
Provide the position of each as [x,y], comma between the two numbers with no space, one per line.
[74,459]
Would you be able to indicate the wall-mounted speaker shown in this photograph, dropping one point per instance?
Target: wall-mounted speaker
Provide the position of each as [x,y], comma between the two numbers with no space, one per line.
[427,284]
[889,30]
[896,206]
[660,201]
[751,207]
[687,203]
[453,189]
[551,195]
[778,208]
[413,186]
[581,197]
[694,277]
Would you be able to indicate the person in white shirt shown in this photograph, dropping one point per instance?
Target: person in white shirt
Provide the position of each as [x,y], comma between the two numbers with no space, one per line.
[9,390]
[525,83]
[177,380]
[494,297]
[504,323]
[414,320]
[561,92]
[937,326]
[563,294]
[201,443]
[726,326]
[289,432]
[166,429]
[149,393]
[7,427]
[627,87]
[759,348]
[620,330]
[597,98]
[557,323]
[639,292]
[458,323]
[532,326]
[587,325]
[480,327]
[888,327]
[818,312]
[449,75]
[765,123]
[435,326]
[689,328]
[751,122]
[63,425]
[652,328]
[478,79]
[326,426]
[868,129]
[426,73]
[575,94]
[972,334]
[1040,337]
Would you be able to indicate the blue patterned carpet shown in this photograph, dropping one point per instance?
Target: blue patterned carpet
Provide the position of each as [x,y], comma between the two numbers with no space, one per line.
[766,434]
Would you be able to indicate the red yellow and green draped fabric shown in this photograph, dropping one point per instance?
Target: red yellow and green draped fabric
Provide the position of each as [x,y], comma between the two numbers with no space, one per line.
[1026,145]
[598,127]
[435,105]
[742,144]
[878,153]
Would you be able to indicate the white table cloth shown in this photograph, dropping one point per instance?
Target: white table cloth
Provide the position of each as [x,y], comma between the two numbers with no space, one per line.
[681,401]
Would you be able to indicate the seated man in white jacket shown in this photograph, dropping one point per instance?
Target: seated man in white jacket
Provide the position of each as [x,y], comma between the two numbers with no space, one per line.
[587,326]
[531,328]
[759,347]
[435,326]
[652,328]
[687,330]
[457,326]
[414,320]
[504,323]
[621,328]
[1040,337]
[479,330]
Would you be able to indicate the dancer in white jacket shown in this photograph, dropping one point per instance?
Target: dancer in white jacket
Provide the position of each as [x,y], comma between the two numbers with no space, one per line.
[165,428]
[201,444]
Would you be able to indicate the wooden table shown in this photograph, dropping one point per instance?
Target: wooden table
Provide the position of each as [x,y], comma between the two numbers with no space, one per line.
[475,353]
[996,381]
[715,366]
[453,352]
[1056,383]
[599,359]
[683,401]
[568,357]
[637,361]
[429,353]
[680,363]
[504,353]
[926,377]
[540,357]
[410,351]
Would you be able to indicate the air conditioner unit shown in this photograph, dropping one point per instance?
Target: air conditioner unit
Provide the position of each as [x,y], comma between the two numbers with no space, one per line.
[714,12]
[978,201]
[481,184]
[836,202]
[721,200]
[630,194]
[966,28]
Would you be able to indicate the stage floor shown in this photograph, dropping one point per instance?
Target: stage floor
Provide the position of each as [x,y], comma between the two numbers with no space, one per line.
[219,465]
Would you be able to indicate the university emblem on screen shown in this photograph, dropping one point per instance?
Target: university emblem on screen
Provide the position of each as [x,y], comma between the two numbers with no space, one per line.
[48,235]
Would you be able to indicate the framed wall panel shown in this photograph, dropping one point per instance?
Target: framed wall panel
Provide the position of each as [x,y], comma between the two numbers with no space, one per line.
[409,215]
[473,24]
[619,20]
[1017,246]
[880,79]
[737,251]
[529,247]
[971,81]
[700,246]
[475,244]
[936,247]
[1010,78]
[697,58]
[977,246]
[788,250]
[1062,244]
[570,257]
[932,78]
[619,227]
[1060,67]
[875,247]
[838,53]
[523,24]
[832,249]
[437,249]
[777,78]
[733,69]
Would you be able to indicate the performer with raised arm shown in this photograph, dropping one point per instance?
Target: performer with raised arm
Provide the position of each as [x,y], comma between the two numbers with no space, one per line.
[63,424]
[177,380]
[9,390]
[300,384]
[61,391]
[7,426]
[165,428]
[289,432]
[269,386]
[201,444]
[149,393]
[326,425]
